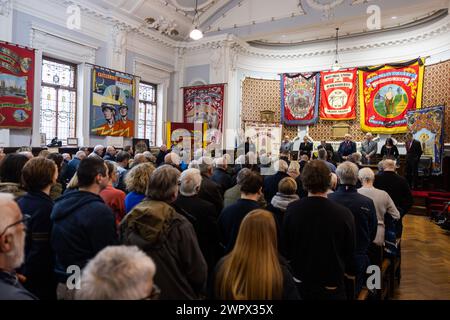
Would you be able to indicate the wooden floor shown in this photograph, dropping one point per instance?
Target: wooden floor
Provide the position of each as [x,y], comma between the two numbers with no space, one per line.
[425,261]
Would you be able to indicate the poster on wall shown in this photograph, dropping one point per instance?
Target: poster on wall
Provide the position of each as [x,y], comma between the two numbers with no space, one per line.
[204,104]
[184,138]
[300,98]
[265,136]
[427,125]
[112,103]
[338,95]
[16,86]
[387,93]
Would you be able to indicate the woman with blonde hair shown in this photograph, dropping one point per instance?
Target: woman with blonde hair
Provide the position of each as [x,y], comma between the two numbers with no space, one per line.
[136,182]
[253,270]
[294,169]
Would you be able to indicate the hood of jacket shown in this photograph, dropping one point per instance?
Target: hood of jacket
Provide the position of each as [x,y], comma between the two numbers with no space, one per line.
[72,201]
[13,188]
[281,201]
[148,223]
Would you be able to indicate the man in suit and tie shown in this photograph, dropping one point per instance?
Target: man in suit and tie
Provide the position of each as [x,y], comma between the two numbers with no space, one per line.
[346,148]
[413,154]
[368,148]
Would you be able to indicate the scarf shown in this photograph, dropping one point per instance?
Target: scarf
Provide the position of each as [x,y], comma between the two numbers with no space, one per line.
[281,201]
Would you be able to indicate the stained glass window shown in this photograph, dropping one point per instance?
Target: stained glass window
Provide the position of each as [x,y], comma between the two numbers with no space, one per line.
[147,112]
[58,100]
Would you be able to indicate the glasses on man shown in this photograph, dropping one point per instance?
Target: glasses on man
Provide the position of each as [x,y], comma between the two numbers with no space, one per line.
[154,294]
[25,219]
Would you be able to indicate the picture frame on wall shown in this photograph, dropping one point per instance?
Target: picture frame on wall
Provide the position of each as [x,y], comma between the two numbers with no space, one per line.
[72,142]
[43,139]
[141,145]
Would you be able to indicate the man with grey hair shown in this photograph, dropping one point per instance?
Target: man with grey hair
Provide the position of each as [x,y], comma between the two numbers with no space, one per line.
[201,213]
[173,160]
[98,150]
[139,158]
[346,148]
[72,166]
[162,232]
[382,201]
[369,148]
[12,249]
[220,175]
[209,190]
[118,267]
[271,182]
[363,210]
[110,153]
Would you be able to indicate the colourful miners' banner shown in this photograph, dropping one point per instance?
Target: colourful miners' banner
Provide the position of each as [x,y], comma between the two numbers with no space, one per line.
[185,138]
[112,103]
[427,127]
[204,104]
[16,86]
[338,95]
[300,98]
[387,93]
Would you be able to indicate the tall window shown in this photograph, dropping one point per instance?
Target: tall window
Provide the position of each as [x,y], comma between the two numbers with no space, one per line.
[147,112]
[58,100]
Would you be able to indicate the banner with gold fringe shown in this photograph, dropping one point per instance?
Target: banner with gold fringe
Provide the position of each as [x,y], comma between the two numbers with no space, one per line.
[387,93]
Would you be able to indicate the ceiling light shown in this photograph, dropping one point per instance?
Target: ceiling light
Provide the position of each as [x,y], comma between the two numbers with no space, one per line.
[196,34]
[336,66]
[394,17]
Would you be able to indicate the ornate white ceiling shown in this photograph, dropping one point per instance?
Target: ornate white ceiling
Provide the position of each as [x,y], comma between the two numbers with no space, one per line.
[269,22]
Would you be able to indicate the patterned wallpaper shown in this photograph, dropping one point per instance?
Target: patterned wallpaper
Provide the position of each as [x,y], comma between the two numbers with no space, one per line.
[259,95]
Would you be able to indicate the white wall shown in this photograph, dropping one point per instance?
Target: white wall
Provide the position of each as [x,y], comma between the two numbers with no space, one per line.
[42,25]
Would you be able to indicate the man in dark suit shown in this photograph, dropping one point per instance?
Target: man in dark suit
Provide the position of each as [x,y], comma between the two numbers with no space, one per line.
[201,213]
[209,190]
[306,146]
[346,148]
[271,182]
[413,154]
[329,148]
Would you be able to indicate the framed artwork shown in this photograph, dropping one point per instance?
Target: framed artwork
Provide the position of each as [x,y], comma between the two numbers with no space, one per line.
[340,130]
[72,142]
[141,145]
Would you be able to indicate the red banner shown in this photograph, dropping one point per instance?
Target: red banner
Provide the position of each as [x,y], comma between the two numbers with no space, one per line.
[16,86]
[204,104]
[338,95]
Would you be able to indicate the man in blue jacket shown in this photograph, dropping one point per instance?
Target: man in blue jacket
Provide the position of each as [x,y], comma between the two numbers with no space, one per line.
[82,224]
[363,210]
[72,166]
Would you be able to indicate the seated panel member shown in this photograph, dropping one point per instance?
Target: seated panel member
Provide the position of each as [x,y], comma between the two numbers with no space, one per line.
[346,148]
[306,146]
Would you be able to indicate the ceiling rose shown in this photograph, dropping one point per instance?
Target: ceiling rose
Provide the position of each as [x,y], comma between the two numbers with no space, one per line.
[189,5]
[325,6]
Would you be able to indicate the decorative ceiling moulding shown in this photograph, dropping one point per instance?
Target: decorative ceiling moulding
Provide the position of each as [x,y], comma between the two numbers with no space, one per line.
[325,7]
[5,8]
[440,14]
[202,5]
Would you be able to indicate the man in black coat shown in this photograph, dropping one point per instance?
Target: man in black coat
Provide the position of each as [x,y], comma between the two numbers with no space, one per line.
[231,217]
[363,210]
[397,187]
[318,238]
[220,175]
[271,182]
[209,190]
[162,153]
[413,154]
[202,214]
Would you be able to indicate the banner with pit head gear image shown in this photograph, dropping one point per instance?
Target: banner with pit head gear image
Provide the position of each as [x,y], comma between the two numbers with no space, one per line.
[112,103]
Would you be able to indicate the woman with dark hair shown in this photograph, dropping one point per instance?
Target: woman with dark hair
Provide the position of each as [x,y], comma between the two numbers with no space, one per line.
[253,270]
[10,174]
[38,176]
[58,188]
[389,150]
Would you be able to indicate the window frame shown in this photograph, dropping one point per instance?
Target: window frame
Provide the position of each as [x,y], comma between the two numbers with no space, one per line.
[60,87]
[146,103]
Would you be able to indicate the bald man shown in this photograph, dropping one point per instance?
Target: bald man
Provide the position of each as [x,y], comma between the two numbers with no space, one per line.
[12,246]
